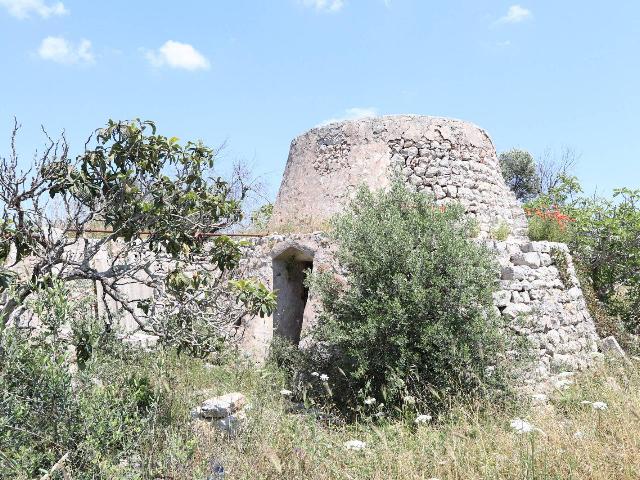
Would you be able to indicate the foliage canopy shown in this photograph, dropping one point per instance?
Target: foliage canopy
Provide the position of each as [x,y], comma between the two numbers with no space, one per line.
[414,317]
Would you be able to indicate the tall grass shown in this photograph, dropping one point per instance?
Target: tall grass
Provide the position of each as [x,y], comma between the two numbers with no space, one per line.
[571,439]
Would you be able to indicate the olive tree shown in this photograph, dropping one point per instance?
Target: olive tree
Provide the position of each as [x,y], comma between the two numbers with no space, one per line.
[519,172]
[157,202]
[413,315]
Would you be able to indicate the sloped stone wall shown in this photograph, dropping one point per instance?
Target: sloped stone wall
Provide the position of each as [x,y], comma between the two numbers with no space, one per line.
[539,295]
[461,172]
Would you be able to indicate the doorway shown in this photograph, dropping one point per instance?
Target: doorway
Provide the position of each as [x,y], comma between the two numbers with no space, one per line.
[290,270]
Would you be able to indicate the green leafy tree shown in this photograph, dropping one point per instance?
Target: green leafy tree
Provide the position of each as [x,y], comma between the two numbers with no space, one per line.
[414,317]
[606,239]
[519,172]
[157,200]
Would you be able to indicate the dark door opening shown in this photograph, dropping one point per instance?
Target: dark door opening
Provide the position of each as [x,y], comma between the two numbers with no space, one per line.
[290,269]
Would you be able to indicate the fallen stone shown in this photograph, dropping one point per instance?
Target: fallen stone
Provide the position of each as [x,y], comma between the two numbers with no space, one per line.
[223,406]
[610,346]
[530,259]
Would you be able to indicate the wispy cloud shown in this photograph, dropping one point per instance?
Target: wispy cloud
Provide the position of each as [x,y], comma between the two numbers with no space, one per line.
[60,50]
[331,6]
[515,14]
[178,55]
[25,8]
[352,114]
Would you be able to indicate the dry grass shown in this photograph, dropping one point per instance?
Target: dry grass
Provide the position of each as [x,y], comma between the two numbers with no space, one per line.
[471,443]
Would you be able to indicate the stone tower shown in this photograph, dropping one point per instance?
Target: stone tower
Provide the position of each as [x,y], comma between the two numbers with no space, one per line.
[449,159]
[539,293]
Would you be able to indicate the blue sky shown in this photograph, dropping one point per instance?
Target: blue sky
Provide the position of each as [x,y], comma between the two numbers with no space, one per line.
[535,75]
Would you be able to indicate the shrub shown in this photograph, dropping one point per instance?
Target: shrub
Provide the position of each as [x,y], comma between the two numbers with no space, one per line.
[415,318]
[99,415]
[549,224]
[501,232]
[606,241]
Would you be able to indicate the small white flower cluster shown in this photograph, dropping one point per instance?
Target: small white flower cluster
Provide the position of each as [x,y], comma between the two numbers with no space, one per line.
[369,401]
[286,393]
[595,405]
[521,426]
[324,377]
[355,445]
[409,400]
[599,406]
[423,419]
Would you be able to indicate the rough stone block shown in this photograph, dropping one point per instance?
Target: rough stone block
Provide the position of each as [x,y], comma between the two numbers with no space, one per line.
[222,406]
[610,346]
[530,259]
[501,298]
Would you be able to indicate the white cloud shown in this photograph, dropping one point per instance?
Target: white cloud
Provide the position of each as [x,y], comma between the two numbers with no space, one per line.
[515,14]
[59,50]
[178,55]
[352,114]
[331,6]
[24,8]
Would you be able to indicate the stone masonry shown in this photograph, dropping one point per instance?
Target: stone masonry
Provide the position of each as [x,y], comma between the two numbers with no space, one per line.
[539,293]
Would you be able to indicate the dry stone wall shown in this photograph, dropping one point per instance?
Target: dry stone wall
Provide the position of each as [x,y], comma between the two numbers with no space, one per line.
[464,173]
[538,292]
[540,297]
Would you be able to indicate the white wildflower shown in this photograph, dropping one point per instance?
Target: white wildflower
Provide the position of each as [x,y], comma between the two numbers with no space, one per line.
[324,377]
[315,374]
[355,445]
[521,426]
[563,383]
[286,393]
[599,406]
[369,401]
[423,418]
[585,402]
